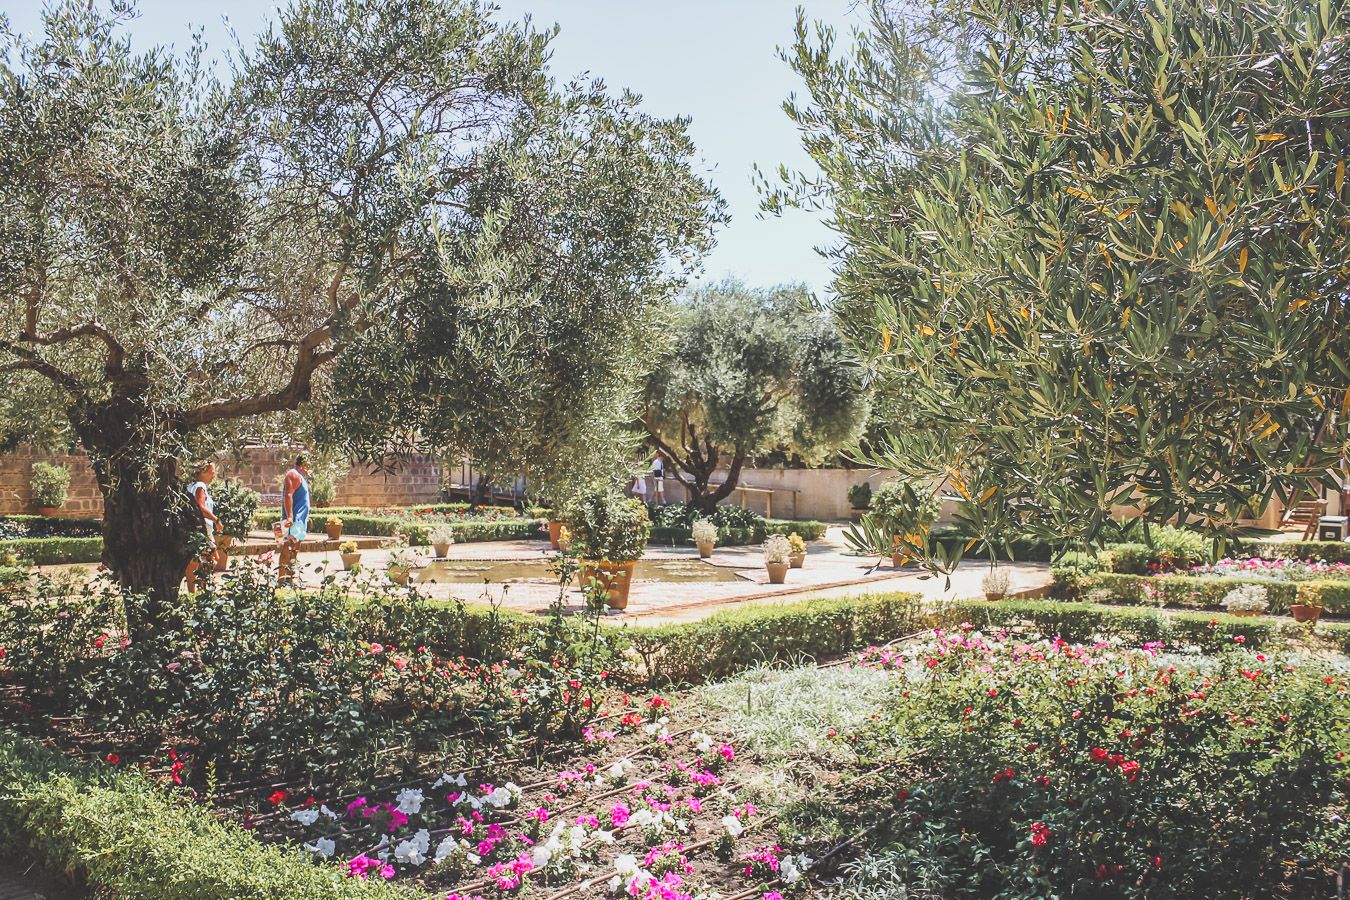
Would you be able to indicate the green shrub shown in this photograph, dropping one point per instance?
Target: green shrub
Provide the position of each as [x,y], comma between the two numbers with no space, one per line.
[952,537]
[466,531]
[1330,551]
[904,506]
[236,505]
[605,525]
[52,551]
[50,484]
[860,495]
[130,839]
[1127,559]
[728,536]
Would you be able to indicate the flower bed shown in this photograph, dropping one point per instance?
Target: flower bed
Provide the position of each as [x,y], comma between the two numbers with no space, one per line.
[52,551]
[1052,769]
[1277,569]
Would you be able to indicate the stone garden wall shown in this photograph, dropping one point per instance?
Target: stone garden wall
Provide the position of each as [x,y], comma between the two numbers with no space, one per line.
[261,468]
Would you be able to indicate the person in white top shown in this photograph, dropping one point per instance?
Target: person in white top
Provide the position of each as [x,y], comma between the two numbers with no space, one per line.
[202,476]
[659,478]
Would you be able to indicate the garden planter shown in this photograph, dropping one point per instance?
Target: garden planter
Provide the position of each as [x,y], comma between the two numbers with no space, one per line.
[399,574]
[797,560]
[705,550]
[441,550]
[48,511]
[554,533]
[1245,613]
[615,578]
[1305,613]
[777,572]
[350,561]
[333,530]
[994,595]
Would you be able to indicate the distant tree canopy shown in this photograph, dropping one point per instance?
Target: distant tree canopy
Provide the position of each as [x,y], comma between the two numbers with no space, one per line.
[392,209]
[1100,251]
[750,371]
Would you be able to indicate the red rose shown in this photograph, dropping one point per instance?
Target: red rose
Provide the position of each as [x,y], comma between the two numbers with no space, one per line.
[277,798]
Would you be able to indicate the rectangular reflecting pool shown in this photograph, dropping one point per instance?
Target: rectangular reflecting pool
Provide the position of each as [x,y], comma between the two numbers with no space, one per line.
[541,572]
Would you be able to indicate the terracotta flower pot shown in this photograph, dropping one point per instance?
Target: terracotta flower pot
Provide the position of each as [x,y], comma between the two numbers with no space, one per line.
[399,574]
[705,550]
[1305,613]
[777,572]
[994,595]
[48,511]
[615,578]
[333,530]
[554,532]
[441,550]
[351,560]
[797,560]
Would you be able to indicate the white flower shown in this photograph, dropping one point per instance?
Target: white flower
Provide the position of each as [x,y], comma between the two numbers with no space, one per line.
[626,865]
[306,817]
[327,813]
[324,847]
[454,781]
[733,826]
[473,858]
[414,850]
[500,798]
[605,837]
[514,789]
[540,854]
[702,742]
[788,871]
[444,849]
[620,769]
[409,801]
[615,884]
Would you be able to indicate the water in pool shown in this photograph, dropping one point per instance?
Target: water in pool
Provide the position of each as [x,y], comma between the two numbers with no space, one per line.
[539,572]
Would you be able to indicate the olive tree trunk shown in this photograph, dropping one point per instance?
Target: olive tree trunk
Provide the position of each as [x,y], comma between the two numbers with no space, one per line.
[148,520]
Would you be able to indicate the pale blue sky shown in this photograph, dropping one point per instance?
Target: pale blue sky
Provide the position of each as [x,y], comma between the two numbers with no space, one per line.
[713,60]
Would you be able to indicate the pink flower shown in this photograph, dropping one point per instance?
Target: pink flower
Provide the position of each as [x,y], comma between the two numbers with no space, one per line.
[619,814]
[773,895]
[727,752]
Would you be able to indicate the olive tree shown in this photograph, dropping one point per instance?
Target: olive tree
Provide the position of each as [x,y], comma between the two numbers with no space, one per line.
[182,258]
[1101,249]
[750,371]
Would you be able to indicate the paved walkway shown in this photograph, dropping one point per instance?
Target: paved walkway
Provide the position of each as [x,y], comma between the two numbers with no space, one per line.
[830,571]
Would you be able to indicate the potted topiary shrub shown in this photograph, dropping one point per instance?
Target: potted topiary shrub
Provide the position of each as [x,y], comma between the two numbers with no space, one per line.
[906,509]
[705,537]
[332,526]
[995,583]
[1246,600]
[608,532]
[235,506]
[777,554]
[797,556]
[442,536]
[860,496]
[351,556]
[50,486]
[1308,609]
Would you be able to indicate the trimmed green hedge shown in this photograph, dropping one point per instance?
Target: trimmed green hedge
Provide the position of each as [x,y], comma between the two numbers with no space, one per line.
[418,534]
[1189,592]
[1331,551]
[56,550]
[810,530]
[1083,622]
[737,639]
[52,526]
[132,839]
[266,515]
